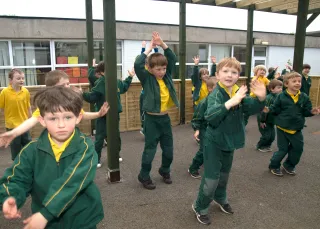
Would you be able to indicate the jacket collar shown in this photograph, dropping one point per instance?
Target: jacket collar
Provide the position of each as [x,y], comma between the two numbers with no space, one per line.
[73,147]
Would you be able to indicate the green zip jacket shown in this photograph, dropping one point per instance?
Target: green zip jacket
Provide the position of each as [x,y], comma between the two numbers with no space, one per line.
[197,81]
[268,117]
[64,192]
[226,127]
[151,88]
[290,115]
[305,84]
[98,93]
[92,77]
[198,121]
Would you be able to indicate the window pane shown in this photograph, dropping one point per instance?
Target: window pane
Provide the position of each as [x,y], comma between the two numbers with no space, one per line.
[239,52]
[31,53]
[4,77]
[220,51]
[189,71]
[243,70]
[4,53]
[259,62]
[260,51]
[197,49]
[98,47]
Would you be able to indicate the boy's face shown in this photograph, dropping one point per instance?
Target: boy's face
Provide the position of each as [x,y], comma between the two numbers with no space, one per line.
[60,125]
[205,76]
[63,82]
[276,90]
[306,71]
[97,75]
[261,72]
[228,76]
[158,71]
[17,80]
[294,84]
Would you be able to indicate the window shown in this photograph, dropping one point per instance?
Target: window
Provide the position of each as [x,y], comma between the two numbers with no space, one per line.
[4,53]
[220,51]
[4,77]
[260,51]
[71,52]
[239,52]
[31,53]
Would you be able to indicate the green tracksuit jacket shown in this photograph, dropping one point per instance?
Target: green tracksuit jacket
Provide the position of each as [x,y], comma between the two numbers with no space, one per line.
[226,127]
[151,88]
[63,192]
[305,84]
[198,121]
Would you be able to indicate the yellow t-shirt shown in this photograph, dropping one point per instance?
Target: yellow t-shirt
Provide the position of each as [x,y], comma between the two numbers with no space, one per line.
[36,113]
[261,79]
[295,99]
[166,100]
[58,150]
[203,93]
[16,106]
[234,89]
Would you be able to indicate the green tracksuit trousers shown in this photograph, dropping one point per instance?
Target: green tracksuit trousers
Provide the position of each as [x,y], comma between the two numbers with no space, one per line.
[217,166]
[18,143]
[198,158]
[291,144]
[268,134]
[157,128]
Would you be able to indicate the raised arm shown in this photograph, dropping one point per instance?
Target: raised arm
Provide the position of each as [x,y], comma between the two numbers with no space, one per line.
[195,75]
[75,178]
[95,94]
[213,66]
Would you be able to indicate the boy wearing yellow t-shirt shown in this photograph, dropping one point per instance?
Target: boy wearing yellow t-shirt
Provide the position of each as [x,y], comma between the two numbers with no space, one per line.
[159,97]
[15,101]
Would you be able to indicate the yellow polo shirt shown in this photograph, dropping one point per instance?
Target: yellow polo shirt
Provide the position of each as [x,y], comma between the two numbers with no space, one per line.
[58,150]
[261,79]
[36,113]
[203,92]
[166,100]
[16,106]
[234,89]
[295,99]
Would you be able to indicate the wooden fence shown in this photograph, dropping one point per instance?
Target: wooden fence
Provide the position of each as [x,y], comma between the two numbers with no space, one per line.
[130,117]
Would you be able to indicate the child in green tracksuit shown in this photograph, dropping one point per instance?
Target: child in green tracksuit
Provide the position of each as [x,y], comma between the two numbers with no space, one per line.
[225,133]
[306,79]
[266,121]
[290,107]
[199,124]
[97,95]
[57,170]
[159,97]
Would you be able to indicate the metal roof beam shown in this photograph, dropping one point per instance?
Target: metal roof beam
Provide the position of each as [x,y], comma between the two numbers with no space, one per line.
[311,19]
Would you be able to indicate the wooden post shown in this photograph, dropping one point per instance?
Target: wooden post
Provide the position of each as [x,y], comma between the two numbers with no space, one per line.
[182,59]
[249,45]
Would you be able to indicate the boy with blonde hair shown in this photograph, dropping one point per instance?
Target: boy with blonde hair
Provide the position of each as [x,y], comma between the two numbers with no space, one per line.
[291,107]
[225,133]
[57,170]
[15,101]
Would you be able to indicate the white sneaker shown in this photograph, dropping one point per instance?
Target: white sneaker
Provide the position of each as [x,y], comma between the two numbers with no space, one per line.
[120,159]
[99,165]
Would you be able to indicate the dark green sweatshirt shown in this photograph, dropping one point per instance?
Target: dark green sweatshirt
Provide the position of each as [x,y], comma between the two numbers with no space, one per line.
[98,93]
[150,85]
[268,117]
[305,84]
[198,121]
[290,115]
[197,81]
[92,77]
[64,192]
[226,127]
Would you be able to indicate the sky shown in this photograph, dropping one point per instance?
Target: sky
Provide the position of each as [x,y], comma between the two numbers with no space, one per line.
[156,12]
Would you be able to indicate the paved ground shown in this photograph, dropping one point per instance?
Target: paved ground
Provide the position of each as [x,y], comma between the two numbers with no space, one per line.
[260,200]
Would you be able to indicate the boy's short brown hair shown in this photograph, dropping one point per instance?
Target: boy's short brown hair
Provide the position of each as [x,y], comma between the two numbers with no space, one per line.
[53,99]
[274,83]
[271,69]
[211,82]
[306,66]
[203,71]
[157,59]
[229,62]
[259,67]
[14,71]
[53,77]
[290,75]
[100,67]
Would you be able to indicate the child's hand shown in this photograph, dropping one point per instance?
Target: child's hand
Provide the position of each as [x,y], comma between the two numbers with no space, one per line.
[104,109]
[196,135]
[315,111]
[258,89]
[265,110]
[131,73]
[6,138]
[196,60]
[144,44]
[241,93]
[94,62]
[213,59]
[36,221]
[157,40]
[10,209]
[262,125]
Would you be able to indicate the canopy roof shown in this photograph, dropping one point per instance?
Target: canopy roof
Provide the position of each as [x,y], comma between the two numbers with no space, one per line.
[274,6]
